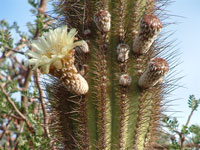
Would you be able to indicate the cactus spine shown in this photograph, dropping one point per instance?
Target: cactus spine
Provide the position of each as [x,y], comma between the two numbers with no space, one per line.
[122,108]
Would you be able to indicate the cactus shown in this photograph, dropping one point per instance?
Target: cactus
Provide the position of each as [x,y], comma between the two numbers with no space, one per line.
[107,78]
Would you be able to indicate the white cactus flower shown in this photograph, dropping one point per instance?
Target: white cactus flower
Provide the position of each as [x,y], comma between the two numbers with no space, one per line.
[51,48]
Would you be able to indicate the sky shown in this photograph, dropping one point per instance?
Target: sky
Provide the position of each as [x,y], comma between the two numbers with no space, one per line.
[187,34]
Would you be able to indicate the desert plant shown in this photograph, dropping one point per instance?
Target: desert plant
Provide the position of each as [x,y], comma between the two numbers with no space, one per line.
[106,89]
[106,63]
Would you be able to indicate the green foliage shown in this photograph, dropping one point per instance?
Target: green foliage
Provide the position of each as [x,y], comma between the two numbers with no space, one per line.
[193,102]
[34,4]
[174,145]
[20,134]
[188,134]
[171,124]
[6,40]
[195,131]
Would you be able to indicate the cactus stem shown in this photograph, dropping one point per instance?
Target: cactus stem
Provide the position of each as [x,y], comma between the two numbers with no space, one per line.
[122,109]
[145,106]
[64,107]
[135,18]
[154,120]
[121,17]
[150,7]
[103,106]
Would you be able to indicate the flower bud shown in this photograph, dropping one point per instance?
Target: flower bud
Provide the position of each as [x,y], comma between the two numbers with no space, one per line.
[125,80]
[80,85]
[155,71]
[73,80]
[103,20]
[83,47]
[122,51]
[150,26]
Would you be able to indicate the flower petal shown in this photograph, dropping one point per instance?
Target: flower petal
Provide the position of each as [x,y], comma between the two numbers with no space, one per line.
[71,35]
[32,54]
[51,48]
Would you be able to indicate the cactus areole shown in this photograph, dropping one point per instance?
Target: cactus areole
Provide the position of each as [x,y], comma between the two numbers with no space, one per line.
[106,90]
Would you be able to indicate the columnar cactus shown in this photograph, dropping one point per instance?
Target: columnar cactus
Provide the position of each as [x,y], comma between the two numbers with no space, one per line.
[106,90]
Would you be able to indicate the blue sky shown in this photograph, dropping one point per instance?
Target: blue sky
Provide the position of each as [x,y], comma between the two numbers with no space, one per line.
[187,33]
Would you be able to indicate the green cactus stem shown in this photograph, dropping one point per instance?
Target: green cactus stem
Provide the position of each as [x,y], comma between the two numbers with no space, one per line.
[122,106]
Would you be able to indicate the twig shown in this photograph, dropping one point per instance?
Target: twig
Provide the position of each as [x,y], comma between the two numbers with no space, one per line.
[182,135]
[18,52]
[12,103]
[15,108]
[5,129]
[41,99]
[11,51]
[189,118]
[16,139]
[166,147]
[43,6]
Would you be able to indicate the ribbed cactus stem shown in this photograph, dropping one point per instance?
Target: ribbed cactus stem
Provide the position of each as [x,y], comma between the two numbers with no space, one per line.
[103,104]
[124,82]
[147,117]
[121,17]
[153,125]
[143,120]
[150,6]
[136,12]
[115,95]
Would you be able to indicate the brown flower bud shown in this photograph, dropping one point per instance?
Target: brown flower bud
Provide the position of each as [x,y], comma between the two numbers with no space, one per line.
[154,73]
[73,80]
[125,80]
[103,20]
[122,52]
[80,85]
[150,26]
[69,75]
[83,47]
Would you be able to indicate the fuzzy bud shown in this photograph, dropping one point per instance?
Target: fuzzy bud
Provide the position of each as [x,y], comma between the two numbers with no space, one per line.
[122,52]
[73,80]
[154,73]
[83,47]
[150,26]
[69,75]
[103,20]
[125,80]
[80,85]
